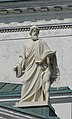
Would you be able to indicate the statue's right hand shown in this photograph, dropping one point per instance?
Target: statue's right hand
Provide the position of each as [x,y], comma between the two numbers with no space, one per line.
[15,67]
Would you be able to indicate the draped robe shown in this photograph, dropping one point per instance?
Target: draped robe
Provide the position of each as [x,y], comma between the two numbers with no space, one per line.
[33,72]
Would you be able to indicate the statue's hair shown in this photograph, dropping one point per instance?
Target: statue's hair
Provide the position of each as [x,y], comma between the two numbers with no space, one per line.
[33,27]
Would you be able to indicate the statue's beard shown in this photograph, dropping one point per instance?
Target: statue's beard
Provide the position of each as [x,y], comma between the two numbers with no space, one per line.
[34,37]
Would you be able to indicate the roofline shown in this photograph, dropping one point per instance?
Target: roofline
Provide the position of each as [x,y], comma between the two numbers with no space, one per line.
[4,1]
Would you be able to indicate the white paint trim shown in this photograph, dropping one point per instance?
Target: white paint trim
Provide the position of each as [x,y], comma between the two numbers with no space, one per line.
[5,100]
[63,96]
[51,97]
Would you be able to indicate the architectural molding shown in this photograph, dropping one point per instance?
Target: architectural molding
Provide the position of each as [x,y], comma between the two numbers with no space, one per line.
[34,6]
[41,27]
[27,10]
[33,10]
[53,99]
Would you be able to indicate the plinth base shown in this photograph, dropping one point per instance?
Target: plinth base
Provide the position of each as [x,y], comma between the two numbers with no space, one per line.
[31,104]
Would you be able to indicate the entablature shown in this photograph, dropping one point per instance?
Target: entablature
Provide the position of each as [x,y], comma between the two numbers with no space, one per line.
[34,6]
[39,9]
[22,28]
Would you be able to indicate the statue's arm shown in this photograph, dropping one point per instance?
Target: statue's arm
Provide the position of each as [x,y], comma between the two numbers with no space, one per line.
[49,55]
[19,67]
[18,63]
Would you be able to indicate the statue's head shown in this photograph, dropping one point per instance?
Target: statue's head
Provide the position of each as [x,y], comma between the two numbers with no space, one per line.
[34,31]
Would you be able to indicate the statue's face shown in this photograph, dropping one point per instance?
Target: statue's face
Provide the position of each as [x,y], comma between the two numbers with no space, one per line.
[34,34]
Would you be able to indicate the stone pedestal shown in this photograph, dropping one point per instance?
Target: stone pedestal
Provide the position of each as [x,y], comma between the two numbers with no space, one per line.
[31,104]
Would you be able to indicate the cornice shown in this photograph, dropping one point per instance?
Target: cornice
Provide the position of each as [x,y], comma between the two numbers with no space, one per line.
[41,27]
[39,9]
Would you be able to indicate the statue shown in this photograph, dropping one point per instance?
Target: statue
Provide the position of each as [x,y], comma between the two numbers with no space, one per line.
[37,62]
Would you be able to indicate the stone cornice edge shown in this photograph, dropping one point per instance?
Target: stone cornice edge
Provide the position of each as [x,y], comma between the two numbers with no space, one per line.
[27,10]
[41,27]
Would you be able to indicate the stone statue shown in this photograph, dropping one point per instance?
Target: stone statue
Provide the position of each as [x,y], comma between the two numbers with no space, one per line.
[37,62]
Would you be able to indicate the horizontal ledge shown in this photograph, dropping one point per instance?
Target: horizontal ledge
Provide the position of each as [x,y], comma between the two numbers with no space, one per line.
[53,99]
[32,9]
[53,94]
[31,104]
[41,27]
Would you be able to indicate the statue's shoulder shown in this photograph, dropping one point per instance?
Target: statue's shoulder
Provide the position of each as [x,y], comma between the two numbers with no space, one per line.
[43,42]
[28,42]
